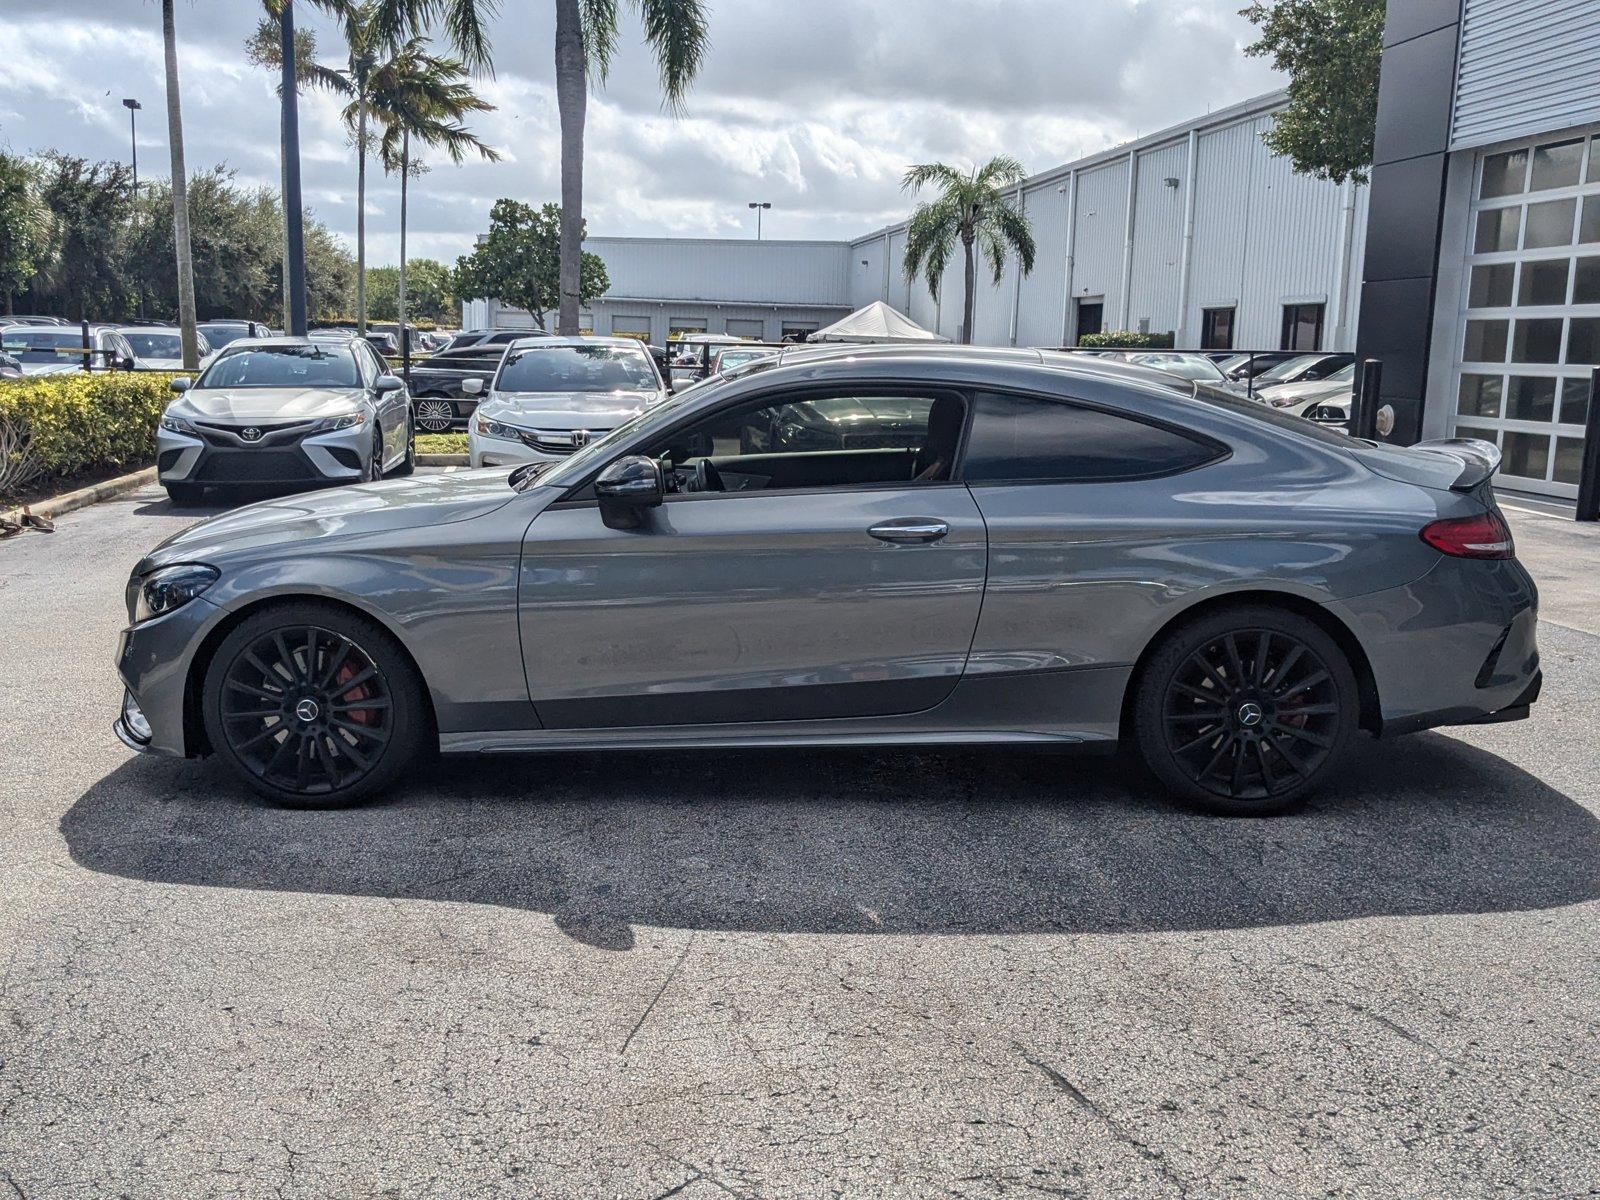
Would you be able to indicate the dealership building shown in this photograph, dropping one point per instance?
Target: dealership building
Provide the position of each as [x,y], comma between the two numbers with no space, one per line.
[1470,265]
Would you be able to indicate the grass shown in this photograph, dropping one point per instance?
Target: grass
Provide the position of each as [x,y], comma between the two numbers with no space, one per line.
[441,443]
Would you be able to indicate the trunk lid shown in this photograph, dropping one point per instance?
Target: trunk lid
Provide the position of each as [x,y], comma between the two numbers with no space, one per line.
[1446,464]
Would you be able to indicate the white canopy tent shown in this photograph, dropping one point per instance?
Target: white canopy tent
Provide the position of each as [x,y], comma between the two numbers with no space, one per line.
[877,322]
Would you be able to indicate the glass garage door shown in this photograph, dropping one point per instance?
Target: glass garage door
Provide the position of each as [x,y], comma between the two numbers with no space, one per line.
[1530,328]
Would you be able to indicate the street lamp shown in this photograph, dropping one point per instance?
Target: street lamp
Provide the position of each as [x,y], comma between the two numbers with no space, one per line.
[133,107]
[759,205]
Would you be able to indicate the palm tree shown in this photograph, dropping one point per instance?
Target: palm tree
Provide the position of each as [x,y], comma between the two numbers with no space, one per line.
[180,196]
[415,94]
[970,207]
[586,39]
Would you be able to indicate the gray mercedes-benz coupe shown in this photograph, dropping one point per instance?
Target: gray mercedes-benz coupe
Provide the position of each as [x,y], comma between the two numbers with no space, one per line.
[1072,551]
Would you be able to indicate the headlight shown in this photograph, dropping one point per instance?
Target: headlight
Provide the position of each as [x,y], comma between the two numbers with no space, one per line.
[1280,401]
[488,428]
[176,425]
[353,420]
[170,588]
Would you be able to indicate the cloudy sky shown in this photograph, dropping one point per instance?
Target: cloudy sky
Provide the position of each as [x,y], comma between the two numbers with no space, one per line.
[814,105]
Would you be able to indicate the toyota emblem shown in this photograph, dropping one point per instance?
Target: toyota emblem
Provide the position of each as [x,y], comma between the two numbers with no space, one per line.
[250,434]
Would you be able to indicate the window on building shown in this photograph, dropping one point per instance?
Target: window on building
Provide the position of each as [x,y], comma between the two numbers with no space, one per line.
[1504,174]
[1302,327]
[1216,328]
[634,327]
[747,327]
[1021,438]
[1557,165]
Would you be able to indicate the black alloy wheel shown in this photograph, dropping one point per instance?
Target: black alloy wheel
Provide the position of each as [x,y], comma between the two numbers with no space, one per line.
[311,706]
[374,471]
[1247,713]
[435,416]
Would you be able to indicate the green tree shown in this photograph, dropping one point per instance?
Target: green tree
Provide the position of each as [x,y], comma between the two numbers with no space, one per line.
[24,227]
[519,261]
[84,274]
[428,294]
[971,209]
[678,32]
[1332,51]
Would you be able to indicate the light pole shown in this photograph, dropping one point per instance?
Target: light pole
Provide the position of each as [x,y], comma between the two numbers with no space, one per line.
[133,107]
[294,248]
[759,206]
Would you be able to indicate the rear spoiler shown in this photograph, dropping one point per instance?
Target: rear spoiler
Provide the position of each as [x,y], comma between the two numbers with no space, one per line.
[1478,460]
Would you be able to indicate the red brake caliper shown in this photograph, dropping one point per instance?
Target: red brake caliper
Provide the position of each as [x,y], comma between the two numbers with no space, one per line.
[361,716]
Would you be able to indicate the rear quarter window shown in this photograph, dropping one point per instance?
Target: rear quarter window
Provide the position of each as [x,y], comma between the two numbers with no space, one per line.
[1024,438]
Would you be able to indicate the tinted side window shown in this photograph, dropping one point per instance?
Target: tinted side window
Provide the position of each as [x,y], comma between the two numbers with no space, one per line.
[1019,437]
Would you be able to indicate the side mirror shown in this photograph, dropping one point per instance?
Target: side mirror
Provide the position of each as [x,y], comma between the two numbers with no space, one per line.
[472,387]
[180,383]
[389,383]
[626,488]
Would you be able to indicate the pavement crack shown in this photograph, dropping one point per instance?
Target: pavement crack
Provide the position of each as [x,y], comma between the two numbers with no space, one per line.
[1400,1031]
[660,992]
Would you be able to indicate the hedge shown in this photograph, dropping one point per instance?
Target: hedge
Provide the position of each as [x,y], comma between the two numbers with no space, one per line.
[63,424]
[1127,339]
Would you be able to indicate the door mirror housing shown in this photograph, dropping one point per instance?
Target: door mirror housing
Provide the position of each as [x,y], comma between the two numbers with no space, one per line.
[180,383]
[626,488]
[472,386]
[389,383]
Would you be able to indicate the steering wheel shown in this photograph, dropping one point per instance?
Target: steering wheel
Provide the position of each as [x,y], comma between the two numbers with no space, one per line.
[706,476]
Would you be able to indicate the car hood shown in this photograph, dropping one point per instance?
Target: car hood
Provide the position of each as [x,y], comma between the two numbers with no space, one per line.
[418,502]
[265,404]
[566,410]
[29,368]
[1308,390]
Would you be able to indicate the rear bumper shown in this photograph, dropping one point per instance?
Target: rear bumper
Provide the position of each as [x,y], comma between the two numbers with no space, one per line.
[1458,646]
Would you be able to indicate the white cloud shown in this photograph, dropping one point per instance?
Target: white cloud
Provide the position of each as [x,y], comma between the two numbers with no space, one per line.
[817,108]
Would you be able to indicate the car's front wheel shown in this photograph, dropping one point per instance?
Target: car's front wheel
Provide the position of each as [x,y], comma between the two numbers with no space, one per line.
[408,465]
[312,705]
[1246,710]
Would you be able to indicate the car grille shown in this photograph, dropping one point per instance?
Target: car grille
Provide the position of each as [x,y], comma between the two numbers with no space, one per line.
[255,466]
[272,433]
[556,441]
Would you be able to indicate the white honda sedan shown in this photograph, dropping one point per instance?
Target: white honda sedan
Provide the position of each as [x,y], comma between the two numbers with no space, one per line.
[552,395]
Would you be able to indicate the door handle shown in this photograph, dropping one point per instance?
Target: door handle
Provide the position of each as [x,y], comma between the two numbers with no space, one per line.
[910,529]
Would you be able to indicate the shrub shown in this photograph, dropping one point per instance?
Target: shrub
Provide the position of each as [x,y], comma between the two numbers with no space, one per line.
[1127,339]
[63,424]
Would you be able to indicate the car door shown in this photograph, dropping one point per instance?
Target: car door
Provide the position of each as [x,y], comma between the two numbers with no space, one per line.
[391,406]
[761,602]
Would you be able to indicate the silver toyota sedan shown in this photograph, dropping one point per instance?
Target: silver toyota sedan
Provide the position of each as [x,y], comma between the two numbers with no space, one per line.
[1072,552]
[285,411]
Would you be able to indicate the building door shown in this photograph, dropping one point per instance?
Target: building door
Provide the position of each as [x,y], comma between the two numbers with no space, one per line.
[1529,328]
[1216,329]
[1302,328]
[1091,317]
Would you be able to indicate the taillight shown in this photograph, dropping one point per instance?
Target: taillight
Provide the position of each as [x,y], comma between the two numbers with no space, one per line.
[1484,535]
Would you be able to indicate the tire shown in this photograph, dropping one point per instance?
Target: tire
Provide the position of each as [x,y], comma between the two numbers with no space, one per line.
[434,415]
[184,495]
[374,468]
[408,465]
[367,717]
[1282,709]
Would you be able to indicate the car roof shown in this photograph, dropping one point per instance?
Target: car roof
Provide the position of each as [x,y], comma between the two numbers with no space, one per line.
[546,341]
[264,343]
[147,329]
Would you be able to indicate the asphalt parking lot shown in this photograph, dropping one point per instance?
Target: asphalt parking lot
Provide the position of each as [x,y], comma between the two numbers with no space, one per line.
[788,974]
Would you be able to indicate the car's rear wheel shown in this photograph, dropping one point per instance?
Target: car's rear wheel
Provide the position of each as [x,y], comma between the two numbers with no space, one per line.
[435,416]
[1246,710]
[313,706]
[408,465]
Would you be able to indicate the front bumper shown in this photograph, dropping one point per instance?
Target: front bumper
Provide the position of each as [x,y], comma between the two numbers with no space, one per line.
[220,458]
[154,658]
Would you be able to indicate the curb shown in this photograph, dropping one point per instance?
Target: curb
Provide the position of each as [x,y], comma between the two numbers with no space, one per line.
[442,460]
[106,489]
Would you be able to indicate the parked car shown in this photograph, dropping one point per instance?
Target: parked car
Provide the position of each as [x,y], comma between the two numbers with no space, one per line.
[57,349]
[384,343]
[160,348]
[1286,395]
[1306,368]
[10,368]
[221,331]
[28,319]
[285,411]
[692,354]
[1331,412]
[438,398]
[491,337]
[1078,552]
[1184,365]
[1242,367]
[551,396]
[728,357]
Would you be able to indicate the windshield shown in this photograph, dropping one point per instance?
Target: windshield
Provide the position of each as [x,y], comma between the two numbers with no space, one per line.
[577,369]
[1288,369]
[299,366]
[1189,366]
[1345,374]
[221,335]
[31,345]
[155,345]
